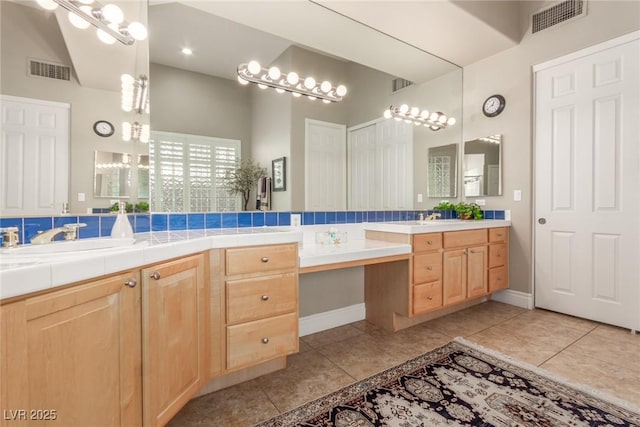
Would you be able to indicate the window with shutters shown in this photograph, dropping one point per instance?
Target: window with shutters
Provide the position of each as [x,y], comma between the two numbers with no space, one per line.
[187,172]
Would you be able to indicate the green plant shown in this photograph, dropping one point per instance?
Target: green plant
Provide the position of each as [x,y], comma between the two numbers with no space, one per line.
[244,179]
[444,205]
[128,207]
[141,207]
[468,211]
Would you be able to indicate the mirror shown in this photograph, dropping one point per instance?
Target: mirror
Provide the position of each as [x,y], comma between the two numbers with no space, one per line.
[442,171]
[112,176]
[483,166]
[200,95]
[90,86]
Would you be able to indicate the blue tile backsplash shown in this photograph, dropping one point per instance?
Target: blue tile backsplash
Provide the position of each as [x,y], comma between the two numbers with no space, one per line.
[99,225]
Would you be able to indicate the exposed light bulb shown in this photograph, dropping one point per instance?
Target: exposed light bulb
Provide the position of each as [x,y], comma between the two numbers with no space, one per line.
[254,67]
[451,121]
[296,94]
[279,90]
[325,86]
[326,101]
[186,51]
[387,114]
[86,1]
[145,133]
[417,123]
[311,98]
[424,114]
[112,13]
[78,21]
[47,4]
[442,119]
[127,79]
[433,117]
[105,38]
[274,73]
[137,30]
[261,86]
[415,111]
[293,78]
[397,119]
[126,131]
[341,90]
[404,108]
[242,81]
[309,83]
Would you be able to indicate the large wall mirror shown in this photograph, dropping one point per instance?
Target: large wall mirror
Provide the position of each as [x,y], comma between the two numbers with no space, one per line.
[483,166]
[442,179]
[199,95]
[88,82]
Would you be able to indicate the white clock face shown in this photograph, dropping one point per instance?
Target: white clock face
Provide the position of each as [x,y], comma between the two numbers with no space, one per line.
[492,105]
[103,128]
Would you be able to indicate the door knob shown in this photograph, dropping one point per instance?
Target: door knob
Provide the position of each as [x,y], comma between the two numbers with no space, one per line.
[542,221]
[155,275]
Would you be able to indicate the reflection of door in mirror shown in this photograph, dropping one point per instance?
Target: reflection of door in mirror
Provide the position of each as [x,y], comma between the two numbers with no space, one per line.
[143,176]
[442,171]
[112,176]
[483,166]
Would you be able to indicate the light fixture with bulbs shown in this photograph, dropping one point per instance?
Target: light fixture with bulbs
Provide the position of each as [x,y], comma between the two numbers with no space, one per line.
[289,82]
[135,93]
[135,132]
[108,19]
[434,121]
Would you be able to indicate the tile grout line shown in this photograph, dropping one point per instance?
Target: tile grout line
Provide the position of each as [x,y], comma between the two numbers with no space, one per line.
[568,345]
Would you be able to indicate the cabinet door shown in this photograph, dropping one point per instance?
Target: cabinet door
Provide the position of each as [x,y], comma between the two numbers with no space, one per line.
[173,336]
[477,271]
[454,276]
[75,355]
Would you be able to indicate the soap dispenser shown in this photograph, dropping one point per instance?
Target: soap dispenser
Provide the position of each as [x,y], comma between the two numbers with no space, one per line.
[122,227]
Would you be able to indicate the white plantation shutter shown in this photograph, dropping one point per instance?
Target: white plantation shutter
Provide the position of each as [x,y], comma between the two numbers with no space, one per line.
[187,171]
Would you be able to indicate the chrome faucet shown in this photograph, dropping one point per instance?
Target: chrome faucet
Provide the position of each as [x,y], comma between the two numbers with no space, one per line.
[433,216]
[70,233]
[10,237]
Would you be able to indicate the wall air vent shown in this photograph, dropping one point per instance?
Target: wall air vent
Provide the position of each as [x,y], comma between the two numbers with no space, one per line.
[558,13]
[49,70]
[399,83]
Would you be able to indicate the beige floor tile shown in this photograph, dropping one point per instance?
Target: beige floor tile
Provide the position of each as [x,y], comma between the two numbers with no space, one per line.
[410,342]
[510,345]
[303,346]
[241,405]
[331,336]
[609,331]
[555,336]
[458,324]
[623,351]
[496,311]
[308,376]
[603,376]
[545,317]
[365,326]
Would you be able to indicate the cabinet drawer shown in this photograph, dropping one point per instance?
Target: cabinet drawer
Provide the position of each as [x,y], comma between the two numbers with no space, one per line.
[498,234]
[260,297]
[498,279]
[259,259]
[427,242]
[427,267]
[427,297]
[254,342]
[457,239]
[497,255]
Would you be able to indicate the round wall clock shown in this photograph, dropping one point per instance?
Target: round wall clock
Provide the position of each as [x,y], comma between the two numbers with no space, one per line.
[103,128]
[493,105]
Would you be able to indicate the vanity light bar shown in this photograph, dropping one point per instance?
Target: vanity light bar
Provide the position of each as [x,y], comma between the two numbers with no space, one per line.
[135,132]
[291,82]
[434,121]
[135,93]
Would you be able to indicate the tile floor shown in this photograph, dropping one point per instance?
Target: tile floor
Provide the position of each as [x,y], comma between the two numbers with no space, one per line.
[600,356]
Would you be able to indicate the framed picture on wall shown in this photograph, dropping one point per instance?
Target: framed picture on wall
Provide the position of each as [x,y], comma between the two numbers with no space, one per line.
[279,174]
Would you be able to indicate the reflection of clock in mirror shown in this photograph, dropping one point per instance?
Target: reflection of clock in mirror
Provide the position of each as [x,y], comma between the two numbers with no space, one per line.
[103,128]
[493,105]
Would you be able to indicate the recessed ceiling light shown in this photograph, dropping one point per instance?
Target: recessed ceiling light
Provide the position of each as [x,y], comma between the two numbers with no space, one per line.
[187,51]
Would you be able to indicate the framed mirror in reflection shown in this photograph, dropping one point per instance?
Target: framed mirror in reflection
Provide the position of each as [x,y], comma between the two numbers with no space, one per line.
[442,171]
[200,95]
[112,176]
[482,168]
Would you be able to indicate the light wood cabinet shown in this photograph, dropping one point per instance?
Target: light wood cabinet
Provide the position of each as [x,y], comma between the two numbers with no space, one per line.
[174,337]
[426,273]
[464,266]
[498,259]
[73,356]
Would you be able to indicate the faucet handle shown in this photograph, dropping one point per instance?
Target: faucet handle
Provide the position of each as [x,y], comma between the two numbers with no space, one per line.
[10,237]
[71,230]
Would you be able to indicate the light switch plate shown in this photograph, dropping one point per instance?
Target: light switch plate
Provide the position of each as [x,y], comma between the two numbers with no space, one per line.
[481,202]
[419,197]
[517,195]
[296,220]
[81,197]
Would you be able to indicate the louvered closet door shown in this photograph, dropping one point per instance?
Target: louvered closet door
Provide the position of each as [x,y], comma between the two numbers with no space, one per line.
[587,231]
[325,165]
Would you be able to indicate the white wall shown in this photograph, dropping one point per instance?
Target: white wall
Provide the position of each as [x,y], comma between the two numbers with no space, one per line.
[509,73]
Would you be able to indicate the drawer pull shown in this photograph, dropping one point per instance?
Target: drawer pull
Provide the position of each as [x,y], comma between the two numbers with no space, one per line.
[429,242]
[429,268]
[155,275]
[499,279]
[430,298]
[265,297]
[265,340]
[264,259]
[131,283]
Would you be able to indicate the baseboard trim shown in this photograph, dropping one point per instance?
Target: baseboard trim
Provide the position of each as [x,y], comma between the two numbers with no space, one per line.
[517,298]
[331,319]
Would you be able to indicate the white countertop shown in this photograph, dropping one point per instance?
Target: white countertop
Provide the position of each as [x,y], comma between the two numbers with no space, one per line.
[435,226]
[354,250]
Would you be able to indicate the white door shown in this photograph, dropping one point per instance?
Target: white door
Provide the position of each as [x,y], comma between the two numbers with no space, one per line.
[363,171]
[395,160]
[587,184]
[34,156]
[326,166]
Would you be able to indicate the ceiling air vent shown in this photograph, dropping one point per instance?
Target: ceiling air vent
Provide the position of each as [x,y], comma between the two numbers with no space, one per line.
[399,83]
[49,70]
[558,13]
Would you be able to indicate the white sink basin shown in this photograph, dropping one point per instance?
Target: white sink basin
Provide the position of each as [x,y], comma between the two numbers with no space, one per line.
[66,247]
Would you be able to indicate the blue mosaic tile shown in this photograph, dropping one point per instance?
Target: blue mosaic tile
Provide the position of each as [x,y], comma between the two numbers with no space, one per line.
[395,216]
[257,219]
[488,214]
[159,222]
[308,218]
[177,221]
[35,224]
[320,218]
[142,223]
[370,216]
[379,216]
[106,224]
[330,217]
[271,218]
[498,214]
[92,229]
[351,217]
[229,220]
[244,219]
[388,216]
[359,216]
[284,218]
[14,222]
[213,220]
[195,221]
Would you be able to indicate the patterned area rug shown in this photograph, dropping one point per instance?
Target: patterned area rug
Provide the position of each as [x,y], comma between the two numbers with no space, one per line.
[461,384]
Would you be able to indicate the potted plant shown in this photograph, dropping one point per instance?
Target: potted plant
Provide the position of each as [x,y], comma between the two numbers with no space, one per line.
[444,205]
[468,211]
[244,179]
